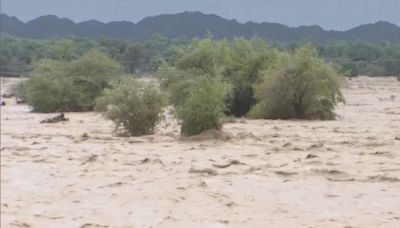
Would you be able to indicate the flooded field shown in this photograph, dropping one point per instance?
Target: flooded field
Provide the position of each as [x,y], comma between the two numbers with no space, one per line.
[342,173]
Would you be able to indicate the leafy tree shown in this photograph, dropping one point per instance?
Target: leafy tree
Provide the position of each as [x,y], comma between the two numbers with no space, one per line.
[133,106]
[205,57]
[239,62]
[70,86]
[63,50]
[83,45]
[135,58]
[113,47]
[204,107]
[247,60]
[299,86]
[48,90]
[92,73]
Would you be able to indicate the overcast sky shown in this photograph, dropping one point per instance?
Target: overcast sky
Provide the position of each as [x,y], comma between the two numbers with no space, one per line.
[329,14]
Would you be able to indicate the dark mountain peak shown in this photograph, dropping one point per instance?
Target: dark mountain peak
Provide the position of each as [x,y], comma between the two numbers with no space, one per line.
[51,20]
[5,16]
[45,18]
[13,23]
[272,24]
[5,19]
[379,31]
[186,15]
[120,22]
[311,27]
[92,23]
[377,25]
[193,25]
[385,23]
[193,14]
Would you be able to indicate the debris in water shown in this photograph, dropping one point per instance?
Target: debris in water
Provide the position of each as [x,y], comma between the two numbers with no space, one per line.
[55,119]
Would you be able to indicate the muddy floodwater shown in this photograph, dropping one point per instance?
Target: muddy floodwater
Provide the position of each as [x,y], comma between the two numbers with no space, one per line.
[269,173]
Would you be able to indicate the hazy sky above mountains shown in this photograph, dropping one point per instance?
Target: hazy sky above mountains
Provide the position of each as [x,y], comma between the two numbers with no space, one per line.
[329,14]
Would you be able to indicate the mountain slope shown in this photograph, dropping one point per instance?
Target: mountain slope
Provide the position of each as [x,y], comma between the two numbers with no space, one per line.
[192,25]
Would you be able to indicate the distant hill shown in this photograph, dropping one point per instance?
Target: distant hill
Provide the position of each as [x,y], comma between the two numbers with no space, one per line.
[192,25]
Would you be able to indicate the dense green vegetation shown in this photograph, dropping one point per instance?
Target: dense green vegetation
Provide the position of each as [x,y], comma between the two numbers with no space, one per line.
[354,58]
[133,106]
[16,55]
[299,86]
[363,58]
[357,58]
[204,107]
[63,85]
[238,62]
[213,78]
[204,80]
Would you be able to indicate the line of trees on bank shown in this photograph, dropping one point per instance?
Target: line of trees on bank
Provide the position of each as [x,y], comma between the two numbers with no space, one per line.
[17,55]
[352,58]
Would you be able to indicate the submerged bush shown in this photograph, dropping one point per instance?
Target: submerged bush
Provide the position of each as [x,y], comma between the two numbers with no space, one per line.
[204,107]
[49,94]
[49,90]
[180,91]
[133,106]
[70,86]
[299,86]
[238,63]
[248,59]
